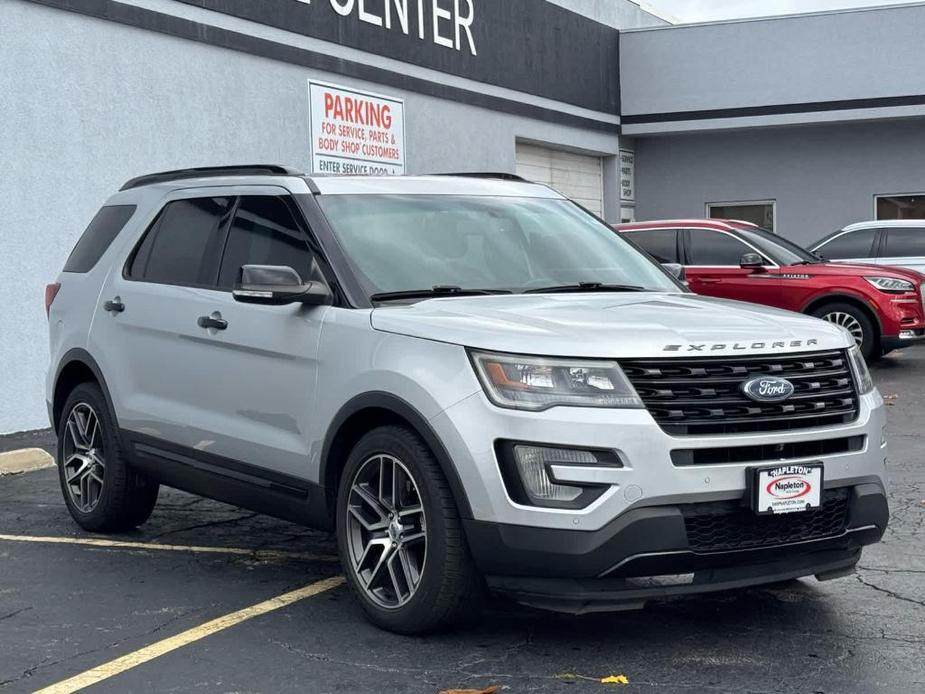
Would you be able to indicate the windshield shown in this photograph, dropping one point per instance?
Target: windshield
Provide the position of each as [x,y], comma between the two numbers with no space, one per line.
[401,243]
[777,248]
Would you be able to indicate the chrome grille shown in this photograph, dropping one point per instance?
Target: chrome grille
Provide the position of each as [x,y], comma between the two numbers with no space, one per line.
[702,395]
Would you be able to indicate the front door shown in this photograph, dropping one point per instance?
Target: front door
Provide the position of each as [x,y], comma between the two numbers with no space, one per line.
[264,364]
[713,268]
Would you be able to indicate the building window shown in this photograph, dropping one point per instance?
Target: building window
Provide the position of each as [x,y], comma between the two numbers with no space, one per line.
[763,212]
[901,206]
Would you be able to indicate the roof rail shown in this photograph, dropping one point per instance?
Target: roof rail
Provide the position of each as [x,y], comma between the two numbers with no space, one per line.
[209,171]
[501,175]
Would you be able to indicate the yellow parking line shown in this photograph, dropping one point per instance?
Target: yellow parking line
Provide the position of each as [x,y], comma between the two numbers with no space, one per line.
[271,554]
[155,650]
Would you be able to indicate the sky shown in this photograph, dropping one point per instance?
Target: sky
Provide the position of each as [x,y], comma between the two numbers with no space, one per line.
[710,10]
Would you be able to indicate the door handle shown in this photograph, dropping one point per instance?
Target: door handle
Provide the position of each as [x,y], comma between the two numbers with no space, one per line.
[212,322]
[114,305]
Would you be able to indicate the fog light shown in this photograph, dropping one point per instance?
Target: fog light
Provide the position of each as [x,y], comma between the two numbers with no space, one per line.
[529,473]
[532,462]
[906,334]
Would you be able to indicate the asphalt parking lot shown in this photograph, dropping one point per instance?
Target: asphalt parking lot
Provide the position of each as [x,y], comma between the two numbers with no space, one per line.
[136,611]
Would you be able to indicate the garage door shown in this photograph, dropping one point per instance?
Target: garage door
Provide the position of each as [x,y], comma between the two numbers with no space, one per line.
[577,176]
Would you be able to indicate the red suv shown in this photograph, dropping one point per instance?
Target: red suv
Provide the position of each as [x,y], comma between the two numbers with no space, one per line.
[882,307]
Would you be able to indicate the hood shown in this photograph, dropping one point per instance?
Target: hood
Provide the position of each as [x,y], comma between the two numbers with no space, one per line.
[647,324]
[836,268]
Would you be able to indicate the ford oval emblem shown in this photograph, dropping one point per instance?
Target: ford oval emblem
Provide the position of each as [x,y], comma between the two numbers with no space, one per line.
[768,389]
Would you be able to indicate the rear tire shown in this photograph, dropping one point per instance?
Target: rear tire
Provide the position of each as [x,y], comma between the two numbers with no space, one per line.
[857,322]
[400,538]
[100,490]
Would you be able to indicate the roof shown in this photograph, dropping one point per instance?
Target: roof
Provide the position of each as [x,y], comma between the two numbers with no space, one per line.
[722,224]
[886,223]
[431,185]
[475,183]
[776,17]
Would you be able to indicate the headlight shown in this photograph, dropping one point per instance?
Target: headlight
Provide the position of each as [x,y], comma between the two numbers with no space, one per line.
[891,284]
[538,383]
[860,371]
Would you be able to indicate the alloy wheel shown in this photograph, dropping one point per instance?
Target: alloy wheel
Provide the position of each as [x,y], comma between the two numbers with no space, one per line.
[84,461]
[386,531]
[847,321]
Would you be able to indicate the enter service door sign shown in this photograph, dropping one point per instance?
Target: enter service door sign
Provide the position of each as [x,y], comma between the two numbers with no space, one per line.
[356,132]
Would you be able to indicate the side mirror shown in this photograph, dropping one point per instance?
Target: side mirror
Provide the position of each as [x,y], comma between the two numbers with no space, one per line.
[277,285]
[751,260]
[676,270]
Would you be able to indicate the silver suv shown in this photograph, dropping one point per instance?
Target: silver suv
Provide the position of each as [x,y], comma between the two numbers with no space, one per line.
[473,381]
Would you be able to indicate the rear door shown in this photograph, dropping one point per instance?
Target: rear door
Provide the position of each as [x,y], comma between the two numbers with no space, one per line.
[145,330]
[903,247]
[712,264]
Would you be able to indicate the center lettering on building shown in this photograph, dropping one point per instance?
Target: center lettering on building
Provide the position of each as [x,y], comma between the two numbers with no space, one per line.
[447,23]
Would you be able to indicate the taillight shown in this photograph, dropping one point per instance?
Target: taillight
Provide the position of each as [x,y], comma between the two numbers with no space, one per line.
[51,291]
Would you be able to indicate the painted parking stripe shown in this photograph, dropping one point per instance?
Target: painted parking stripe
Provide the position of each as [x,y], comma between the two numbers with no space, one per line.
[265,554]
[155,650]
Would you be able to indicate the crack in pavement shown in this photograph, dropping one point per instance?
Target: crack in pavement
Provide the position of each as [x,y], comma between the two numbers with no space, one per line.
[14,613]
[419,673]
[210,524]
[891,571]
[886,591]
[45,664]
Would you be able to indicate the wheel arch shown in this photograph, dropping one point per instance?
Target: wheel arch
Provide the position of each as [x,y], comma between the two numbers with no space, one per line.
[76,367]
[851,299]
[369,411]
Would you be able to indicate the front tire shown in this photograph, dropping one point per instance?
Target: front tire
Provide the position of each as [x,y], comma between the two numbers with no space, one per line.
[855,321]
[400,538]
[101,491]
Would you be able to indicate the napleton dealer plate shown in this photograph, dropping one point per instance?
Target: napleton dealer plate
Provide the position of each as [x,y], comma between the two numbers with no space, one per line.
[787,488]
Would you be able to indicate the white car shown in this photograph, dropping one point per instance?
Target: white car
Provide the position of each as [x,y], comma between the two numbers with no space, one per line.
[895,242]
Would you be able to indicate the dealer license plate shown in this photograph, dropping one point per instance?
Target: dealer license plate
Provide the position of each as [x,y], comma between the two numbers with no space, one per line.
[786,488]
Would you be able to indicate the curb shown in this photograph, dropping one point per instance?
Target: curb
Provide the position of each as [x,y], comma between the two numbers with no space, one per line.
[24,460]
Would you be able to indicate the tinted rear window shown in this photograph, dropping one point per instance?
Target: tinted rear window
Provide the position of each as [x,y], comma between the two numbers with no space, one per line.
[661,244]
[905,242]
[104,228]
[716,248]
[184,244]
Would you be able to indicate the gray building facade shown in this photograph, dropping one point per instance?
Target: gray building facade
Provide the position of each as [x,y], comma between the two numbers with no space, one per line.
[818,118]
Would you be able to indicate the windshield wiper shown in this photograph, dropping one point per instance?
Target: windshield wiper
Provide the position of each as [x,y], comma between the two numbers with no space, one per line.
[435,292]
[817,261]
[587,287]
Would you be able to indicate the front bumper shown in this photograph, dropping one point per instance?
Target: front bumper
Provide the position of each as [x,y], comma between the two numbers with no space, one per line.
[647,553]
[649,476]
[906,338]
[621,549]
